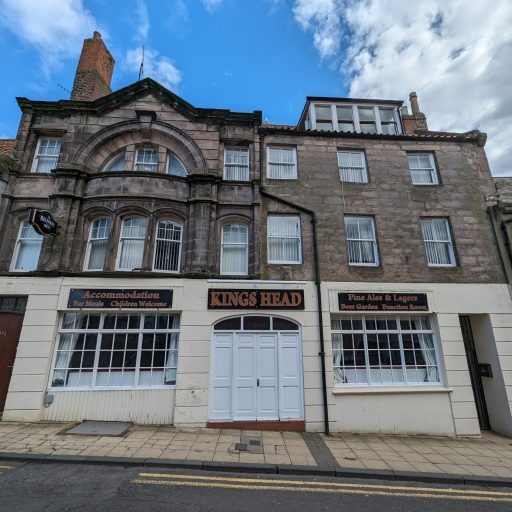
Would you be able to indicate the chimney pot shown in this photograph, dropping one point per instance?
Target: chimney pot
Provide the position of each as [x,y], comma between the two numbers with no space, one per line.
[94,70]
[413,98]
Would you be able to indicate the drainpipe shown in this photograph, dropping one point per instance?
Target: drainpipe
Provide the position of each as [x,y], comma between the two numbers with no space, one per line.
[311,213]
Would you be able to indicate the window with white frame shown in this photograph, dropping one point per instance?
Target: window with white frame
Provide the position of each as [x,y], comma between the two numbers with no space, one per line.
[361,241]
[167,246]
[27,249]
[97,244]
[116,350]
[284,239]
[47,154]
[367,122]
[384,350]
[423,168]
[438,242]
[345,119]
[352,167]
[118,163]
[236,164]
[175,166]
[323,117]
[146,159]
[282,163]
[387,121]
[131,243]
[233,258]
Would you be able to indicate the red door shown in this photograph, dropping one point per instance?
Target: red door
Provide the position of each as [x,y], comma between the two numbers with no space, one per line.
[10,328]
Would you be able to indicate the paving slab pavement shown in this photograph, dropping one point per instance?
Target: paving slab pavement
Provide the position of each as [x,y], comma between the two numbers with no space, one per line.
[489,456]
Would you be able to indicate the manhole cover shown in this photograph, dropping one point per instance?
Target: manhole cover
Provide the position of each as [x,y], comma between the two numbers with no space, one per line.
[99,428]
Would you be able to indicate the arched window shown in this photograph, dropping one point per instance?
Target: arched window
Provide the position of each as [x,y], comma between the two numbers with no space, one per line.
[97,244]
[175,166]
[118,163]
[167,246]
[256,323]
[234,245]
[27,250]
[131,243]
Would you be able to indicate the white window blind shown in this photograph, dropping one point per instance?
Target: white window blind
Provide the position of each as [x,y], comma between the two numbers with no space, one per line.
[234,249]
[133,237]
[283,239]
[352,166]
[438,242]
[384,350]
[97,246]
[361,241]
[175,166]
[28,248]
[423,169]
[236,164]
[47,154]
[282,164]
[167,246]
[146,160]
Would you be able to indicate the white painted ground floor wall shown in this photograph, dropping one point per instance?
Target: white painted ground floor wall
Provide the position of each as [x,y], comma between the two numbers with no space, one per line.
[448,409]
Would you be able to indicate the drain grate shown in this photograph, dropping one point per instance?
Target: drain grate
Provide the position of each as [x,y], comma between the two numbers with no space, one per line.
[319,450]
[99,428]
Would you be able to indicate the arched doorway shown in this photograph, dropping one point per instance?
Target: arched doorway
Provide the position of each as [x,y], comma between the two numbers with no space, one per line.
[256,370]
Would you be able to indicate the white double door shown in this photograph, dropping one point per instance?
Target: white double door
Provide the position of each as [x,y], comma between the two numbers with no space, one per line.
[256,376]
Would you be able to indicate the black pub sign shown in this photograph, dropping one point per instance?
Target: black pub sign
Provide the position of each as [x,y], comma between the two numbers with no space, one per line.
[43,222]
[122,299]
[378,301]
[255,299]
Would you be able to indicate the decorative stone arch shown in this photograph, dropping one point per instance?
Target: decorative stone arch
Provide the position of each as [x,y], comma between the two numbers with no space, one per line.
[100,148]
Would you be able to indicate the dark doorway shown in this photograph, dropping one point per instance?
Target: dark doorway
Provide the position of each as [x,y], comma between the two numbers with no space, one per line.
[12,310]
[474,372]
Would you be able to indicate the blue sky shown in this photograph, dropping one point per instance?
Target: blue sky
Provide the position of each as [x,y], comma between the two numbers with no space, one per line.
[270,54]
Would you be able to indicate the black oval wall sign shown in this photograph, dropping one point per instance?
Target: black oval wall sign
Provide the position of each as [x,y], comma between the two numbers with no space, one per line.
[43,222]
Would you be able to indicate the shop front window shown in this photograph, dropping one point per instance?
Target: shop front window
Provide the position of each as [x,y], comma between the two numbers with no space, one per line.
[116,350]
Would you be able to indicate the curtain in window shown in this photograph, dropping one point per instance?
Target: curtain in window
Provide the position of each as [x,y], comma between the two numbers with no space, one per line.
[147,160]
[352,168]
[360,240]
[29,248]
[281,163]
[437,239]
[47,154]
[236,165]
[422,168]
[167,247]
[67,343]
[98,243]
[284,239]
[429,354]
[234,249]
[133,234]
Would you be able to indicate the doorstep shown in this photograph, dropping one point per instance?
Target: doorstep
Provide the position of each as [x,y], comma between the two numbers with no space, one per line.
[277,426]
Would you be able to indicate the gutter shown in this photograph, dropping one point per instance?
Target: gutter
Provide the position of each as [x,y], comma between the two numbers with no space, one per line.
[311,213]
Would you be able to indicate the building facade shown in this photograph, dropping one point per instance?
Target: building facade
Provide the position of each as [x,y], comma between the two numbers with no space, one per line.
[209,269]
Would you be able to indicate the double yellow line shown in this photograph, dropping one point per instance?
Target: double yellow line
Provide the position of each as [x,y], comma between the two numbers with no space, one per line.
[267,484]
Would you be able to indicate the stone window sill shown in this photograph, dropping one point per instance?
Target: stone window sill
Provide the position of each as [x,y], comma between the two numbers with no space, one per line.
[389,390]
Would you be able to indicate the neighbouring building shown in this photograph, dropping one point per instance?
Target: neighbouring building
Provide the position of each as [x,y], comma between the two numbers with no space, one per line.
[210,270]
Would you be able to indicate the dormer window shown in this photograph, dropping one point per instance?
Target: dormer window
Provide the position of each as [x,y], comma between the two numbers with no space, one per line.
[146,160]
[353,118]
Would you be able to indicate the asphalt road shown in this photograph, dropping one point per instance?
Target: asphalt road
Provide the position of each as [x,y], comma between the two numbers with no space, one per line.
[78,487]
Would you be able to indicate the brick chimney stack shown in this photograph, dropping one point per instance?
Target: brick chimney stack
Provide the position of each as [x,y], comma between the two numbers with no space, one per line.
[94,70]
[417,121]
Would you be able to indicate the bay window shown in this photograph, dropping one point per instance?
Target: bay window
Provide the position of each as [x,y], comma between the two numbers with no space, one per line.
[116,350]
[284,239]
[97,244]
[131,243]
[384,350]
[234,245]
[167,246]
[27,249]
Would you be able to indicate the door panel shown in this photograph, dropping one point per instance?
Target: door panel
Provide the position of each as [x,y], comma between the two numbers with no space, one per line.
[10,328]
[267,377]
[290,378]
[244,384]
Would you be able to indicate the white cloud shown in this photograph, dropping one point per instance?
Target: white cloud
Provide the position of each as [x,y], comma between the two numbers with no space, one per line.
[55,28]
[156,66]
[211,5]
[455,54]
[142,20]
